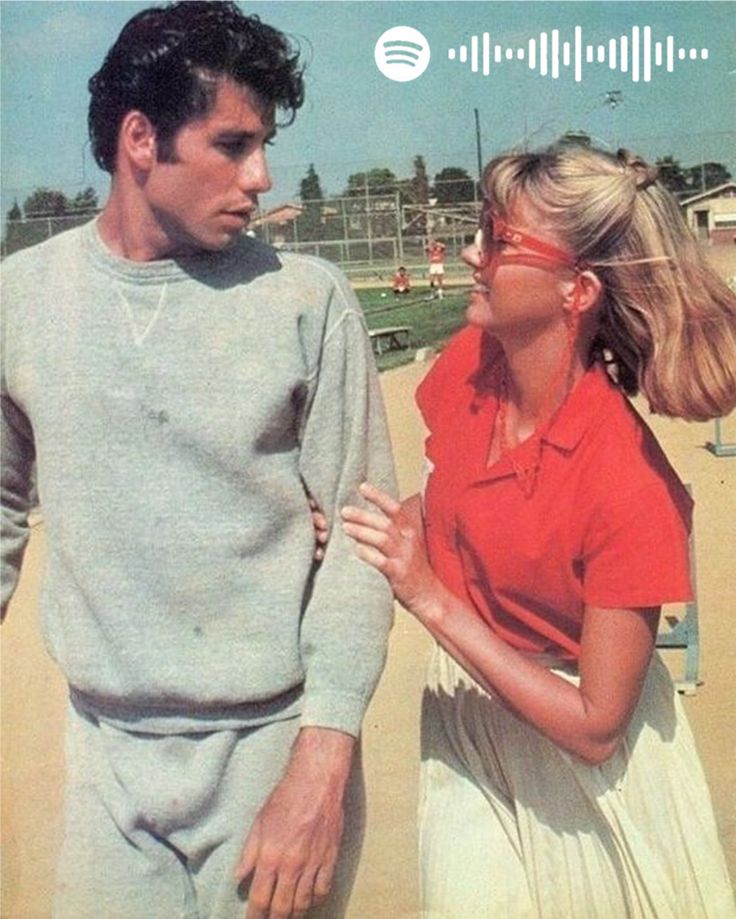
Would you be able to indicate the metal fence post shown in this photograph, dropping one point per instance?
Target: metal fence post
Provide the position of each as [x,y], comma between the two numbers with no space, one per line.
[717,446]
[399,234]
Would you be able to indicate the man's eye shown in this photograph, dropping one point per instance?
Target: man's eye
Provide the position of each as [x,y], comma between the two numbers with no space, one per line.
[232,147]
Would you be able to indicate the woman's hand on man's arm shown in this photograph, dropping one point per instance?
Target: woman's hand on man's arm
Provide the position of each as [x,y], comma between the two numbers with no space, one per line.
[391,539]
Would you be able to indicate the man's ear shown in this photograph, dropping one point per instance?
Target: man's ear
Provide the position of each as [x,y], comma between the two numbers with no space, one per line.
[583,293]
[137,140]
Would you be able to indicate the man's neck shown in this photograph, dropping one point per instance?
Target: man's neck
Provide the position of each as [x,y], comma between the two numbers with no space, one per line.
[130,233]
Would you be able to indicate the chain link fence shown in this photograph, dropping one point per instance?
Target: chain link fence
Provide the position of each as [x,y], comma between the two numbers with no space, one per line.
[370,236]
[20,234]
[367,236]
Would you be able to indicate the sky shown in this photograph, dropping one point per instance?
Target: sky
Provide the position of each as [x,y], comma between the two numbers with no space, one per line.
[356,118]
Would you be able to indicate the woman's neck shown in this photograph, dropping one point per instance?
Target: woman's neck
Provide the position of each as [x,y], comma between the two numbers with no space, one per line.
[539,375]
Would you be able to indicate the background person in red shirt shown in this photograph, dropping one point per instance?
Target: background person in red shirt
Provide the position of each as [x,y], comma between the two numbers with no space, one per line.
[402,282]
[436,251]
[559,774]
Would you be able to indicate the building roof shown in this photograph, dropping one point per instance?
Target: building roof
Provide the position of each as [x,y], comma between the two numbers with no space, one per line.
[710,193]
[284,213]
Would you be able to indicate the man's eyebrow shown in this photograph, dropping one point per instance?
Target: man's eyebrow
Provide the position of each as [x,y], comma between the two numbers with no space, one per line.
[240,134]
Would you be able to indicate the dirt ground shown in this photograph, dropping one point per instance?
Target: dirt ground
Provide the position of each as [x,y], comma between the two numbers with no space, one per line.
[34,698]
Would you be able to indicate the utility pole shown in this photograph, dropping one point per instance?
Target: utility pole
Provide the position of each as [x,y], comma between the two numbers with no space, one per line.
[479,153]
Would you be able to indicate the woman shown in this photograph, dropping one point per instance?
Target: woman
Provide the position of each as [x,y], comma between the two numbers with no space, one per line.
[559,777]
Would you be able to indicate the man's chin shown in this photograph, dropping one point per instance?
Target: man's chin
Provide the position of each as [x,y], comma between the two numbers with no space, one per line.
[221,243]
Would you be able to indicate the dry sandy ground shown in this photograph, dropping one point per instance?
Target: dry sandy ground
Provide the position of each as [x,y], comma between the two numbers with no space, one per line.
[33,695]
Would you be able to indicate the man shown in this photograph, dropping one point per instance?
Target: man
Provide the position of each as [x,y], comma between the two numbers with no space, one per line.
[184,390]
[436,251]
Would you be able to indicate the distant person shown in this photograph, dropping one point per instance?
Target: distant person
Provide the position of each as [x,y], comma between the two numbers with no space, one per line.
[559,776]
[436,252]
[185,388]
[402,282]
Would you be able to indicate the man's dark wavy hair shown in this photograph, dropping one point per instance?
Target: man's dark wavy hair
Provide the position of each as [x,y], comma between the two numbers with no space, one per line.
[161,62]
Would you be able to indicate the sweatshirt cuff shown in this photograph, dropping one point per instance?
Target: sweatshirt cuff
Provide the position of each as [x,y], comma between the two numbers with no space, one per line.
[336,710]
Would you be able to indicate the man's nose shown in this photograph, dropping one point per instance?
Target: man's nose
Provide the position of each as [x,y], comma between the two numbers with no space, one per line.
[254,175]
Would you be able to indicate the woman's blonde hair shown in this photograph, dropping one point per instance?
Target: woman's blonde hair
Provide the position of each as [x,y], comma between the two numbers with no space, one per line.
[667,321]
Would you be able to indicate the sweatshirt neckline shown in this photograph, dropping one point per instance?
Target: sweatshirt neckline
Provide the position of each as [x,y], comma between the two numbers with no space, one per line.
[169,269]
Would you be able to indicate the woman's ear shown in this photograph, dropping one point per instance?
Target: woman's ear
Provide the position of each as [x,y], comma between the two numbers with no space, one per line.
[583,293]
[137,140]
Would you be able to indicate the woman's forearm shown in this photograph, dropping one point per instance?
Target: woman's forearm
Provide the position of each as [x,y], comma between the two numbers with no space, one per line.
[586,719]
[559,709]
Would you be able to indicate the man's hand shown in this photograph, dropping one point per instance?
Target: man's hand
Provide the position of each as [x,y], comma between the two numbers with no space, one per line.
[292,848]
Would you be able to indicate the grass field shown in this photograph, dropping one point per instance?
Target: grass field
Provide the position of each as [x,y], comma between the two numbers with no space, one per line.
[431,322]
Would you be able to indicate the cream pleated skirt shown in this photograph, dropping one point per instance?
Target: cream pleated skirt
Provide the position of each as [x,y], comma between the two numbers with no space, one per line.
[511,826]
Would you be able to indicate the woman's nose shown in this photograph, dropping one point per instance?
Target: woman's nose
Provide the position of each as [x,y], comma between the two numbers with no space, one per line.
[472,255]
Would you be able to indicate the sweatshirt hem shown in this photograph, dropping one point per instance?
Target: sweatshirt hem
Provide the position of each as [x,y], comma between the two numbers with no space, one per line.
[148,718]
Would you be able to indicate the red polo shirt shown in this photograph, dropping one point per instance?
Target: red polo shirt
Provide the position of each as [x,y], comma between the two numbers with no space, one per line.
[606,525]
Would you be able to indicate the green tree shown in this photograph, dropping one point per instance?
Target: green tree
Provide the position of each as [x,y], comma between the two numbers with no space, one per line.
[310,188]
[672,175]
[416,190]
[84,202]
[419,183]
[14,213]
[377,182]
[46,202]
[309,222]
[368,217]
[452,185]
[706,175]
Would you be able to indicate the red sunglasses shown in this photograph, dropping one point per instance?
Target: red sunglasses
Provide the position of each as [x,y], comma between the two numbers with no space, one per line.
[495,233]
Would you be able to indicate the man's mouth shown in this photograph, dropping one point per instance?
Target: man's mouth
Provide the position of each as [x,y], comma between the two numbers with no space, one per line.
[241,216]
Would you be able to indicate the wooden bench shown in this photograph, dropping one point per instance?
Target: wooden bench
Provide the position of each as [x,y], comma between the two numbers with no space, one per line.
[393,338]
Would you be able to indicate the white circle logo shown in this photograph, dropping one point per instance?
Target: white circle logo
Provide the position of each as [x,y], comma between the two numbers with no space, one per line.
[402,54]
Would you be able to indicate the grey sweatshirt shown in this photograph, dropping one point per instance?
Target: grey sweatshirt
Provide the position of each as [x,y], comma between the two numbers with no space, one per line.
[178,411]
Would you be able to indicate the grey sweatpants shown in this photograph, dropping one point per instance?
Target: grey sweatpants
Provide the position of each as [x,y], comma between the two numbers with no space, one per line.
[155,824]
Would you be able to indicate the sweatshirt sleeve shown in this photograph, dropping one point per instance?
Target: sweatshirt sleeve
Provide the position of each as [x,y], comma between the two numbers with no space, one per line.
[17,464]
[16,446]
[344,443]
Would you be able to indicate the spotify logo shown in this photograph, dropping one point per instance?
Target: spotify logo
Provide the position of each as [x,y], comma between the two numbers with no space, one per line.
[402,54]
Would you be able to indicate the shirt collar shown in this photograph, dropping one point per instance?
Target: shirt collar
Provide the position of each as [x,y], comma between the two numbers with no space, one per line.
[583,407]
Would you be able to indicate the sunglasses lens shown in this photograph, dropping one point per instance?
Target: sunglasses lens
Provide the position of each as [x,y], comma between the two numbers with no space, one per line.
[484,237]
[494,233]
[489,248]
